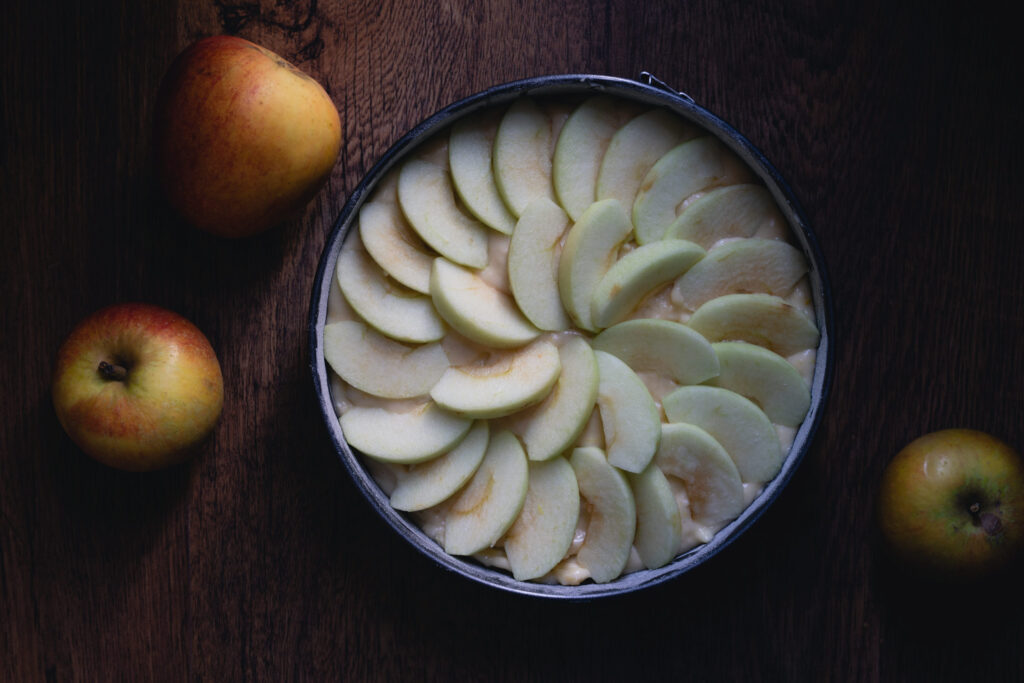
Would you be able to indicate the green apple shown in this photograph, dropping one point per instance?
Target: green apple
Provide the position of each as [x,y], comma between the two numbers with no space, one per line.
[659,527]
[477,310]
[742,428]
[612,527]
[629,416]
[951,505]
[691,167]
[381,366]
[505,383]
[667,348]
[407,437]
[523,148]
[428,201]
[491,501]
[554,424]
[427,484]
[741,266]
[243,139]
[637,274]
[581,145]
[712,482]
[390,308]
[546,526]
[590,249]
[394,246]
[137,387]
[533,256]
[762,319]
[741,210]
[766,378]
[470,152]
[634,149]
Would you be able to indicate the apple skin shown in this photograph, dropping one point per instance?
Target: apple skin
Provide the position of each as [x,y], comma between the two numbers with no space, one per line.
[242,138]
[155,413]
[951,505]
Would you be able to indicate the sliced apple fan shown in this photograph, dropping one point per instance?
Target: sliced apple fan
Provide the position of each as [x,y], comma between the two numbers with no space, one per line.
[625,376]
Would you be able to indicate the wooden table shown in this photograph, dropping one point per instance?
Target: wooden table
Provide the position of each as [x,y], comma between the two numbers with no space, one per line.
[899,130]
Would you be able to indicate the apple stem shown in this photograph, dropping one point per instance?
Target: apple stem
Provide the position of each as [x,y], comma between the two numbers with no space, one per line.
[987,521]
[116,373]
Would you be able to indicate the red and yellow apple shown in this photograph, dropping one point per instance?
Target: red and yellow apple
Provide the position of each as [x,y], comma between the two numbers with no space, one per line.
[951,505]
[243,139]
[137,387]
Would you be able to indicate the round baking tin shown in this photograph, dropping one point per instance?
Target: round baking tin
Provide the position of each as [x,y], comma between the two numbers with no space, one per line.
[649,91]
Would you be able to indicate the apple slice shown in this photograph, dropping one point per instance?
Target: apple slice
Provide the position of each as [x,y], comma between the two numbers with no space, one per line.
[741,210]
[609,538]
[691,167]
[385,305]
[476,309]
[762,319]
[664,347]
[766,378]
[581,146]
[394,246]
[712,482]
[428,201]
[542,534]
[522,155]
[381,366]
[533,254]
[590,249]
[492,499]
[742,428]
[629,415]
[425,485]
[659,527]
[634,149]
[741,266]
[470,146]
[555,424]
[637,274]
[506,382]
[407,437]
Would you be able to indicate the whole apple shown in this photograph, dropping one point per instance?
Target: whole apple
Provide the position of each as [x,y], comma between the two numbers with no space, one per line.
[243,139]
[137,387]
[951,505]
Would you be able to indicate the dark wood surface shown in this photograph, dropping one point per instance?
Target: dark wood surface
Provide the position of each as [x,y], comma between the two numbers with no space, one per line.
[897,127]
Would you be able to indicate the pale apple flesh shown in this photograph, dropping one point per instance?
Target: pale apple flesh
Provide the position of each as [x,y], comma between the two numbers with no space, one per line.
[394,246]
[667,348]
[590,249]
[491,501]
[470,152]
[951,505]
[503,384]
[430,483]
[137,387]
[612,527]
[763,319]
[552,426]
[743,210]
[544,531]
[243,139]
[629,416]
[741,266]
[381,366]
[581,147]
[658,520]
[523,148]
[533,256]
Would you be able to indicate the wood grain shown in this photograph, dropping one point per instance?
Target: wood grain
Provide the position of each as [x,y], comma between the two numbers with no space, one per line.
[896,127]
